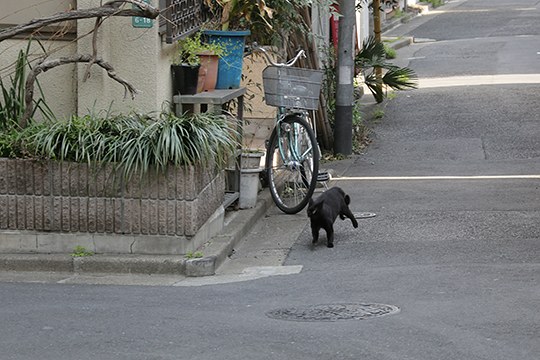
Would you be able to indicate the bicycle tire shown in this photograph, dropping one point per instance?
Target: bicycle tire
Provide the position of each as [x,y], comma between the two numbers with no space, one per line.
[292,164]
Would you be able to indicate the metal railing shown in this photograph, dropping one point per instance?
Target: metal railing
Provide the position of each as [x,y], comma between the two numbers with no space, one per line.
[181,18]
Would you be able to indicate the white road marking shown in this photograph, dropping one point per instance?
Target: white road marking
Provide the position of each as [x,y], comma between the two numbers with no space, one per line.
[502,79]
[250,273]
[443,177]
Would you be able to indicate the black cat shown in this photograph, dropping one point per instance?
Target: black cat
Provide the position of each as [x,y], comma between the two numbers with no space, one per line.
[324,210]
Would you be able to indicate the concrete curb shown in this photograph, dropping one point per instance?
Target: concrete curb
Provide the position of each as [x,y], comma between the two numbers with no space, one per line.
[219,247]
[36,262]
[131,264]
[216,250]
[401,42]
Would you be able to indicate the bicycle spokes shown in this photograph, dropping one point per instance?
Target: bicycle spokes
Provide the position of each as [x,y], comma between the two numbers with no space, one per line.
[292,162]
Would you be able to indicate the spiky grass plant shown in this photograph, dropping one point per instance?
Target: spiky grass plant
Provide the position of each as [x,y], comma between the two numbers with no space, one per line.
[78,139]
[12,101]
[195,139]
[135,144]
[12,108]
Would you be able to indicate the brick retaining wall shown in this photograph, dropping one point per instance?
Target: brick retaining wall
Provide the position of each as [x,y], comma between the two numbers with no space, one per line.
[68,198]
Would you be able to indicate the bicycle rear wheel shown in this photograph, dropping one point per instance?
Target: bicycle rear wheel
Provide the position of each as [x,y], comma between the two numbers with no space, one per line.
[292,164]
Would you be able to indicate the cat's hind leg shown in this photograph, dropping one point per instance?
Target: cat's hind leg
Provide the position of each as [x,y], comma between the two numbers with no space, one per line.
[315,234]
[347,213]
[330,237]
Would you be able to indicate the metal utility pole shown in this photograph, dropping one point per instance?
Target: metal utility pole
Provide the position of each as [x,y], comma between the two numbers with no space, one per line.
[345,74]
[378,38]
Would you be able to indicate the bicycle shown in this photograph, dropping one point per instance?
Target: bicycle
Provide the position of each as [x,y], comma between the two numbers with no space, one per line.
[292,154]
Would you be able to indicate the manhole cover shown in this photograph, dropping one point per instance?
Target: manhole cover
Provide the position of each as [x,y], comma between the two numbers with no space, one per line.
[364,215]
[332,312]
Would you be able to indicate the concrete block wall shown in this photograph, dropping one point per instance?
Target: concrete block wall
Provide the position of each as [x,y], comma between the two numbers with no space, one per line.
[71,200]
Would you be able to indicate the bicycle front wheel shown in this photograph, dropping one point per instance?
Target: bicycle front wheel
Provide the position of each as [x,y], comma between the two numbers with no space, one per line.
[292,164]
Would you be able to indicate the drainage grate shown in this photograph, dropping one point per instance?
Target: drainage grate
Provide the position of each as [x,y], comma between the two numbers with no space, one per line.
[333,312]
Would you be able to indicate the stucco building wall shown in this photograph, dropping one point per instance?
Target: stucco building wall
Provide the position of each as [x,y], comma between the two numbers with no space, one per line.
[59,85]
[138,55]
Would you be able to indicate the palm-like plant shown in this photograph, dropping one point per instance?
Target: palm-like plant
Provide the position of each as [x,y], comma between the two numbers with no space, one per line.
[373,56]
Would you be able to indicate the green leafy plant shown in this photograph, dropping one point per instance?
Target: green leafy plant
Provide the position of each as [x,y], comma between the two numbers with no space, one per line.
[435,3]
[373,56]
[135,143]
[390,52]
[361,131]
[281,23]
[240,14]
[171,140]
[194,255]
[12,104]
[330,81]
[378,114]
[398,13]
[9,143]
[80,251]
[191,47]
[12,101]
[16,143]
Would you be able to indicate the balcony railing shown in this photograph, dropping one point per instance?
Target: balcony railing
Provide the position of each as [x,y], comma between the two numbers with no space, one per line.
[181,18]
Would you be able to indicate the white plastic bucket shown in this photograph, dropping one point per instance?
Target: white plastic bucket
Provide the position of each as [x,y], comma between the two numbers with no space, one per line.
[249,188]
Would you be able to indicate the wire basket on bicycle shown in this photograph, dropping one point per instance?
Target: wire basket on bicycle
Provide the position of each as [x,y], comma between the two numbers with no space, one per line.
[292,87]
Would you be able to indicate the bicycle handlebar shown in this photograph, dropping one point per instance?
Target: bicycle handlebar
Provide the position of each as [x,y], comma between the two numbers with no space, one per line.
[301,54]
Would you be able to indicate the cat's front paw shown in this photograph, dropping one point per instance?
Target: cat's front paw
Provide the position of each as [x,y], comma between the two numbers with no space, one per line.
[330,245]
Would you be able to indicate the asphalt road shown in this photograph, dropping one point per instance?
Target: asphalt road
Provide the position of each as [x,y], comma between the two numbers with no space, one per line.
[453,176]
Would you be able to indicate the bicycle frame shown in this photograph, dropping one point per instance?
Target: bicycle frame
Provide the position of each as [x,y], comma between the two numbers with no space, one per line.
[295,141]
